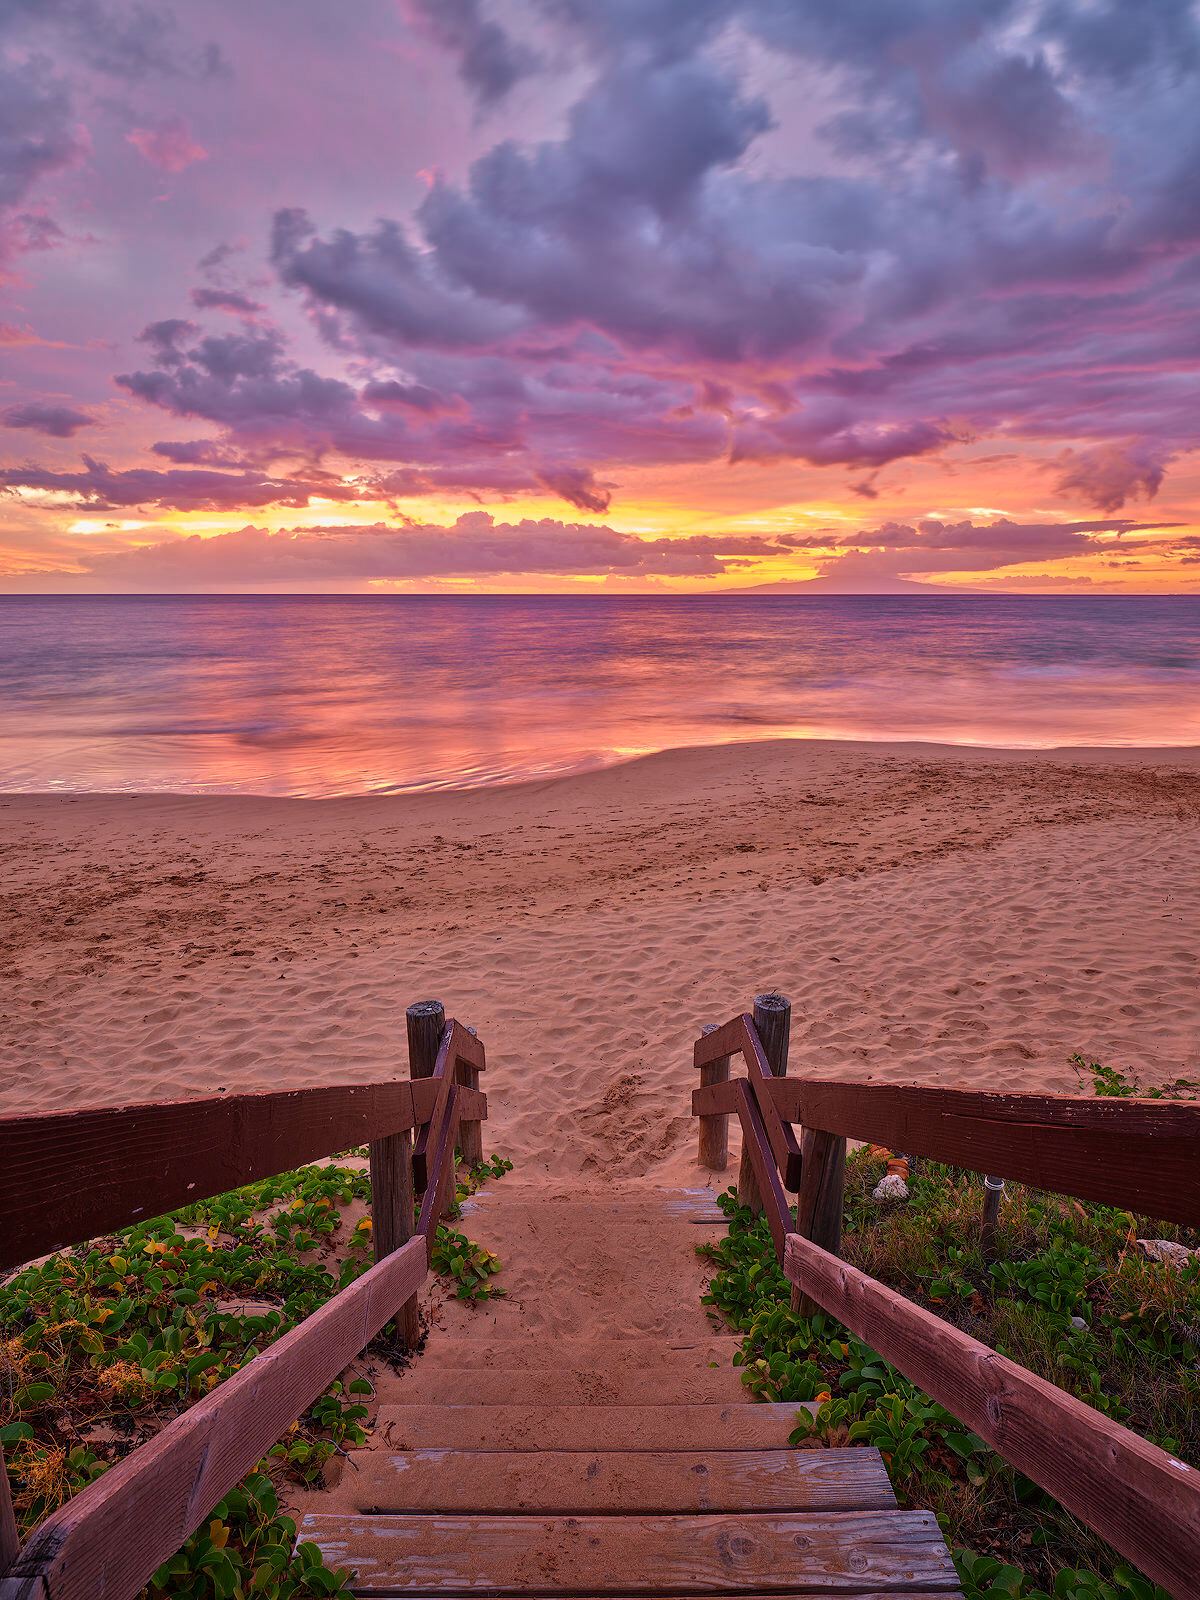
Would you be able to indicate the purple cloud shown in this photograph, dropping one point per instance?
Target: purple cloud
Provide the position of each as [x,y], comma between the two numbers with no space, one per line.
[56,422]
[490,60]
[100,487]
[1109,474]
[731,231]
[226,300]
[475,546]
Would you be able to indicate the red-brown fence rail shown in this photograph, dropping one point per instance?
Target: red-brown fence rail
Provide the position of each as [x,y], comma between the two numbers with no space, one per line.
[1143,1155]
[72,1176]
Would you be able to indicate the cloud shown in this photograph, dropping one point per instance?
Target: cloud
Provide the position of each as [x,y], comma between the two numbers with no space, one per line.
[1107,475]
[241,305]
[101,487]
[993,240]
[474,546]
[48,49]
[900,549]
[732,231]
[168,145]
[490,60]
[39,135]
[577,485]
[56,422]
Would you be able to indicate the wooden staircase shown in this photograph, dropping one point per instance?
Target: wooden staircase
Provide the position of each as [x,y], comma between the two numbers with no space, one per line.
[535,1462]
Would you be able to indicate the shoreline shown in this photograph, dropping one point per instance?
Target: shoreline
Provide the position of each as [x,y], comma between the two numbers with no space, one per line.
[1186,756]
[940,914]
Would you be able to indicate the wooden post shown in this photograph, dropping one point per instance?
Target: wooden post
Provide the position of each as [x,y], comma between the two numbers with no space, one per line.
[714,1131]
[425,1021]
[993,1188]
[821,1201]
[10,1541]
[470,1134]
[393,1215]
[773,1020]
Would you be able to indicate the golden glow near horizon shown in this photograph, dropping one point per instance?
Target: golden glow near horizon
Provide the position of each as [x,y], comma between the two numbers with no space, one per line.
[774,502]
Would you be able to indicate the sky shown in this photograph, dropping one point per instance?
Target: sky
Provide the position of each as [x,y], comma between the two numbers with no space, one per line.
[599,295]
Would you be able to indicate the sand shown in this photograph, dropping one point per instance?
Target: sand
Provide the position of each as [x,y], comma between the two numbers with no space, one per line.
[950,916]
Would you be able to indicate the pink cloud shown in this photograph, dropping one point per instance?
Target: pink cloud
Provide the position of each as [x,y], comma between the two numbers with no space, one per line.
[168,145]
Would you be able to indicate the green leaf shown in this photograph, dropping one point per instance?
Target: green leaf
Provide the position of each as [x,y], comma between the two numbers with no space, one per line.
[32,1395]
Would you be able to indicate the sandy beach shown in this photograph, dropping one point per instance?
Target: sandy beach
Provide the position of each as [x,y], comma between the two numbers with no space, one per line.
[937,914]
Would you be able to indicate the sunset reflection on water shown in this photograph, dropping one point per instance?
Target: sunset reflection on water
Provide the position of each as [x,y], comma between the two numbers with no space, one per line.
[315,695]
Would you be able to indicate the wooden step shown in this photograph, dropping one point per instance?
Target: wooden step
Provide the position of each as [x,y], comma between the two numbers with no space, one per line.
[580,1482]
[687,1206]
[604,1355]
[678,1427]
[834,1552]
[426,1384]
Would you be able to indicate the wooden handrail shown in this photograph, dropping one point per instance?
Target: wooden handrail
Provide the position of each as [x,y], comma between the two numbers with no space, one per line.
[142,1161]
[110,1537]
[1137,1154]
[106,1541]
[1143,1155]
[1139,1499]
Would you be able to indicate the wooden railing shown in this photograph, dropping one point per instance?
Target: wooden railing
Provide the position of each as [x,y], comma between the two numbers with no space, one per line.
[71,1176]
[1142,1155]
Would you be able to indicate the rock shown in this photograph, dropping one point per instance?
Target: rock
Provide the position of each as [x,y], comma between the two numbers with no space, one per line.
[1078,1322]
[1166,1251]
[892,1187]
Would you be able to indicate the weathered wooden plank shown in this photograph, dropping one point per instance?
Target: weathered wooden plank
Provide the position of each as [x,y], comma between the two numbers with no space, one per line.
[835,1552]
[716,1098]
[470,1129]
[441,1080]
[736,1426]
[582,1482]
[740,1037]
[781,1134]
[726,1039]
[468,1048]
[1143,1155]
[1138,1498]
[9,1541]
[105,1543]
[472,1102]
[392,1204]
[821,1200]
[140,1161]
[456,1045]
[713,1148]
[612,1355]
[439,1196]
[754,1143]
[431,1383]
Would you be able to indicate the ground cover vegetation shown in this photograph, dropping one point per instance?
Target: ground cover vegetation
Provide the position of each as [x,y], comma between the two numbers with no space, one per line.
[101,1346]
[1067,1293]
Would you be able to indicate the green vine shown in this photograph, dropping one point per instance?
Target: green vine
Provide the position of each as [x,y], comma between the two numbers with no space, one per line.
[1068,1296]
[101,1346]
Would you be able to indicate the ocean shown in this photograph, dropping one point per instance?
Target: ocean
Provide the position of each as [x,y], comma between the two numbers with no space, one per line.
[336,694]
